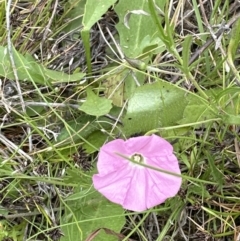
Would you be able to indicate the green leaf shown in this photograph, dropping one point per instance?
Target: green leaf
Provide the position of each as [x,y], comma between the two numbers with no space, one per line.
[217,174]
[34,110]
[24,68]
[53,75]
[29,70]
[186,53]
[163,104]
[77,129]
[89,214]
[95,105]
[94,11]
[231,119]
[133,39]
[155,105]
[61,77]
[153,45]
[81,128]
[96,139]
[197,111]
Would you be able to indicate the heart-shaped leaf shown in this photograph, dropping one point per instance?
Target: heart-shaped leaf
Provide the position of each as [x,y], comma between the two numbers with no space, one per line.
[155,105]
[95,105]
[138,26]
[89,214]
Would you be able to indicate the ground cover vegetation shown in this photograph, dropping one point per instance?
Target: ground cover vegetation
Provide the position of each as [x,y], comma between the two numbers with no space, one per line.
[78,74]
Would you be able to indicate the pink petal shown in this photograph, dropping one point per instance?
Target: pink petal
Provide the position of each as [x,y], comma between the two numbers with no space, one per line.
[150,188]
[124,188]
[167,162]
[114,186]
[109,161]
[135,187]
[149,145]
[163,186]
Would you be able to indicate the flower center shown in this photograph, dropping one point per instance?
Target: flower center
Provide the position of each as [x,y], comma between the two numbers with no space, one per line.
[138,158]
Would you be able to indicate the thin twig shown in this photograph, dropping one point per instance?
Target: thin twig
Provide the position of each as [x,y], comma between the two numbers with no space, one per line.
[47,28]
[204,47]
[14,147]
[10,51]
[75,106]
[108,44]
[21,215]
[211,40]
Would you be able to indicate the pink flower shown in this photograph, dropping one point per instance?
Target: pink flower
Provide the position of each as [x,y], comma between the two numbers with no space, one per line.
[135,187]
